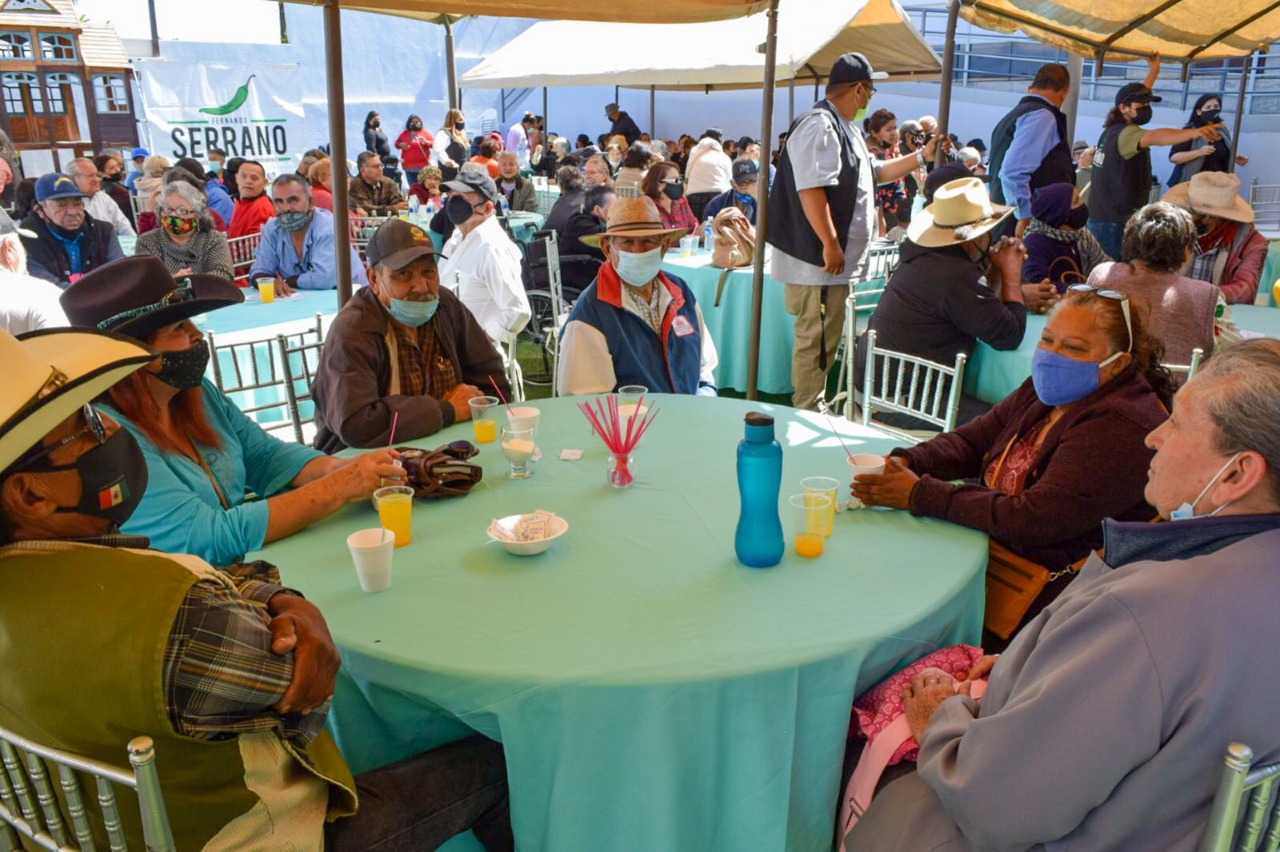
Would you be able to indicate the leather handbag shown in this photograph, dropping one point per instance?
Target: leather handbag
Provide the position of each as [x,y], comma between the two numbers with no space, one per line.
[442,472]
[1013,584]
[735,244]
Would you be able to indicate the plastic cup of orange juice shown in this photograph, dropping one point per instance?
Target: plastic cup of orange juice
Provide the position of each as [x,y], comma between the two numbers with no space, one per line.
[395,511]
[266,289]
[483,420]
[810,514]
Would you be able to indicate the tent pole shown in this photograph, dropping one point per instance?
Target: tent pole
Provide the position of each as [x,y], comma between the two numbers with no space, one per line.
[948,70]
[545,121]
[451,63]
[338,147]
[762,194]
[792,95]
[653,104]
[1075,67]
[1244,86]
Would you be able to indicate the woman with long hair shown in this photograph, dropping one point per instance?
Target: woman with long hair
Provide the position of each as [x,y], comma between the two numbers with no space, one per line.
[665,185]
[375,138]
[1200,155]
[891,198]
[203,455]
[451,147]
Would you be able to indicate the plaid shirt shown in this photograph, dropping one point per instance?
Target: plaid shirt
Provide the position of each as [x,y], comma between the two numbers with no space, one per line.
[373,197]
[1203,263]
[221,678]
[424,368]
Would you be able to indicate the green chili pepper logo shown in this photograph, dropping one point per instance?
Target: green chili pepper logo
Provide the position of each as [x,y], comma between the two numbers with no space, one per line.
[237,101]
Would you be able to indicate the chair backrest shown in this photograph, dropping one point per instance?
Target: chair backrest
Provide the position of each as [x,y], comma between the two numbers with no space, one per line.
[1265,201]
[865,292]
[243,252]
[1232,826]
[253,376]
[911,385]
[362,230]
[1189,370]
[299,362]
[31,807]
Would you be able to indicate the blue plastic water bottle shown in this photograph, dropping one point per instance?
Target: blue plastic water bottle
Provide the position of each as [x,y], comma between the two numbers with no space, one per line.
[758,541]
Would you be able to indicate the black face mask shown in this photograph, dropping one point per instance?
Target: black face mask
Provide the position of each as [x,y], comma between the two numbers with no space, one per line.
[674,191]
[112,178]
[461,125]
[1078,217]
[1144,114]
[375,124]
[458,209]
[1202,228]
[184,369]
[65,233]
[113,477]
[417,125]
[1210,117]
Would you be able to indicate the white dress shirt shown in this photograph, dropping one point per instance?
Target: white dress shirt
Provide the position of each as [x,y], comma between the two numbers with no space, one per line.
[483,270]
[104,208]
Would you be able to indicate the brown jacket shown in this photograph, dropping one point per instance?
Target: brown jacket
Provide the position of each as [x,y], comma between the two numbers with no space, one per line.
[353,403]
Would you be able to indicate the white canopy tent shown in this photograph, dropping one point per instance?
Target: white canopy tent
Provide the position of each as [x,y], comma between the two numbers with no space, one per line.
[707,56]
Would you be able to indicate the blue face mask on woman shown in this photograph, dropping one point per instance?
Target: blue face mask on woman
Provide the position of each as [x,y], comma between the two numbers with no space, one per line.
[1060,380]
[413,314]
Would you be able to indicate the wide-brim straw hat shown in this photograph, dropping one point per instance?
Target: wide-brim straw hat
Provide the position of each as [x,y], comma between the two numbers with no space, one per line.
[51,373]
[634,217]
[1213,194]
[961,211]
[137,296]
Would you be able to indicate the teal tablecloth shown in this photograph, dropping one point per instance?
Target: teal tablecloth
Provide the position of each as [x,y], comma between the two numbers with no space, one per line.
[650,692]
[1270,274]
[253,315]
[992,375]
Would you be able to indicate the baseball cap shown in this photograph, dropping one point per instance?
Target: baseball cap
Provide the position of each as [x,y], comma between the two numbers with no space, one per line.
[139,152]
[745,171]
[397,243]
[475,180]
[55,185]
[854,68]
[1136,92]
[8,226]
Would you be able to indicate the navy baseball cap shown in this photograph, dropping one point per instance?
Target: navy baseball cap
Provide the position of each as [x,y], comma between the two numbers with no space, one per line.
[854,68]
[745,171]
[55,185]
[1136,92]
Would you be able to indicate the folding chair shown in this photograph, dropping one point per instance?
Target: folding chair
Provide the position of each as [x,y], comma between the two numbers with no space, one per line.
[913,386]
[252,376]
[1188,370]
[299,362]
[362,230]
[864,295]
[1260,827]
[30,807]
[243,252]
[549,309]
[1265,201]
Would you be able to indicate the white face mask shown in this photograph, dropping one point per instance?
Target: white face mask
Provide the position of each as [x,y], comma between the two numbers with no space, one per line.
[639,269]
[1187,511]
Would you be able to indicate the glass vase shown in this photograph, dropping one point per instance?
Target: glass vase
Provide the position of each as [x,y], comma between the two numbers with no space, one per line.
[620,470]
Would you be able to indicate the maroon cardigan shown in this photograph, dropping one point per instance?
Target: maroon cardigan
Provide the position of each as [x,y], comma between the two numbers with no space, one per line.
[1092,465]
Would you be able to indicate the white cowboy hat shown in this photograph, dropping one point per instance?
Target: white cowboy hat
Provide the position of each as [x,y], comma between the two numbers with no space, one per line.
[961,211]
[634,217]
[1213,194]
[51,373]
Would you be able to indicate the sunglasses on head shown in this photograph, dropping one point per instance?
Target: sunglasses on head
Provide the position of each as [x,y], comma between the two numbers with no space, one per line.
[1113,295]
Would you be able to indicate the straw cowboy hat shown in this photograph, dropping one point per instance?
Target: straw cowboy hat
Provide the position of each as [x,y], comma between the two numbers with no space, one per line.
[137,296]
[1213,194]
[51,373]
[634,217]
[961,211]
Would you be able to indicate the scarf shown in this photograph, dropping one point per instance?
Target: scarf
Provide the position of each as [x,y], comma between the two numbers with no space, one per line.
[1222,236]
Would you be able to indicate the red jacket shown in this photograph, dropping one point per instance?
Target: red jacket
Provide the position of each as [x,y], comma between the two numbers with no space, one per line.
[418,152]
[1092,465]
[1244,268]
[250,216]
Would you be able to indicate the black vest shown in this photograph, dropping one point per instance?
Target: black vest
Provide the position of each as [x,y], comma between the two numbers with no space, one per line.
[1120,186]
[1056,166]
[788,228]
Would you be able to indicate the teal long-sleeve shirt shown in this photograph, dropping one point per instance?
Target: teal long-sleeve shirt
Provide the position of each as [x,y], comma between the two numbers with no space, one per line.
[180,511]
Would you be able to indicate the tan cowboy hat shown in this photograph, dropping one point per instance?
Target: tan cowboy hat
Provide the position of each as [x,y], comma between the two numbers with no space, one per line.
[961,211]
[51,373]
[1213,194]
[634,217]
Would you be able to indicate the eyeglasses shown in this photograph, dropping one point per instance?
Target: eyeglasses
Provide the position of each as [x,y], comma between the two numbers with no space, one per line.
[1113,295]
[182,212]
[93,426]
[672,181]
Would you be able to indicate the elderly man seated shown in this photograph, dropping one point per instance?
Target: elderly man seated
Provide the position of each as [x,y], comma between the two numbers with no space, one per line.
[228,672]
[481,263]
[371,193]
[1104,724]
[404,345]
[67,241]
[97,203]
[746,174]
[297,246]
[635,324]
[1229,251]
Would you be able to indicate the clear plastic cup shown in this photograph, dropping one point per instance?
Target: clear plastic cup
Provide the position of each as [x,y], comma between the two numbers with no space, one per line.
[371,552]
[395,511]
[828,487]
[810,514]
[483,420]
[266,289]
[518,447]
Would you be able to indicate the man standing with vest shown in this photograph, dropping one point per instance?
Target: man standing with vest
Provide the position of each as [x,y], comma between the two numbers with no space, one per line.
[1029,147]
[1122,162]
[822,216]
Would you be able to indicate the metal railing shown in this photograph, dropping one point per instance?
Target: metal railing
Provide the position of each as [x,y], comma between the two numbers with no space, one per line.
[1009,60]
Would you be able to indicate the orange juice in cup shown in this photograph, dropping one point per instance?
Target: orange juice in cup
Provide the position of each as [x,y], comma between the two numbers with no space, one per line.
[811,512]
[1275,294]
[395,511]
[266,289]
[482,411]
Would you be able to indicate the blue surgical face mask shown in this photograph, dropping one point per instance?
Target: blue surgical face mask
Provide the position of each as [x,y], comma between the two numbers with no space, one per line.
[639,269]
[413,314]
[1060,380]
[1187,511]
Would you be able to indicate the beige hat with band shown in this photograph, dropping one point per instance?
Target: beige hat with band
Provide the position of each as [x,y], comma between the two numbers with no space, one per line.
[1213,194]
[961,211]
[634,217]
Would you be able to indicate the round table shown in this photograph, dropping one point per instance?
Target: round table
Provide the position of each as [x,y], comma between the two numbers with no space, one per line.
[650,691]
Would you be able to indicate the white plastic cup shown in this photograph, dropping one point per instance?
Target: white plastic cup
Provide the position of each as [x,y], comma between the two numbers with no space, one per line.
[861,463]
[524,417]
[371,551]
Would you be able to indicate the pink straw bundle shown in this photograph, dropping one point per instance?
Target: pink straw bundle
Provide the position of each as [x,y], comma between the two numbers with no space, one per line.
[606,420]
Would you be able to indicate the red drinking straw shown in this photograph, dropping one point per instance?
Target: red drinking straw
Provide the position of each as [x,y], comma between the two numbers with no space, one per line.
[395,420]
[500,396]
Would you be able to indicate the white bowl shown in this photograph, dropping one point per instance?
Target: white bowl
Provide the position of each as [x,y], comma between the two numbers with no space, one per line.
[556,528]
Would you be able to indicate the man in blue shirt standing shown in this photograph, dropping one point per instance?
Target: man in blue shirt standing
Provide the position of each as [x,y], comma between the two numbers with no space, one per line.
[138,156]
[297,245]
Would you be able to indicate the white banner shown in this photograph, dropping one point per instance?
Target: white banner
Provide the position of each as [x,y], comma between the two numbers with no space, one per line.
[248,110]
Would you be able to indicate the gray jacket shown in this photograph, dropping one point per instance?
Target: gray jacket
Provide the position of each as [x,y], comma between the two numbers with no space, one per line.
[1105,722]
